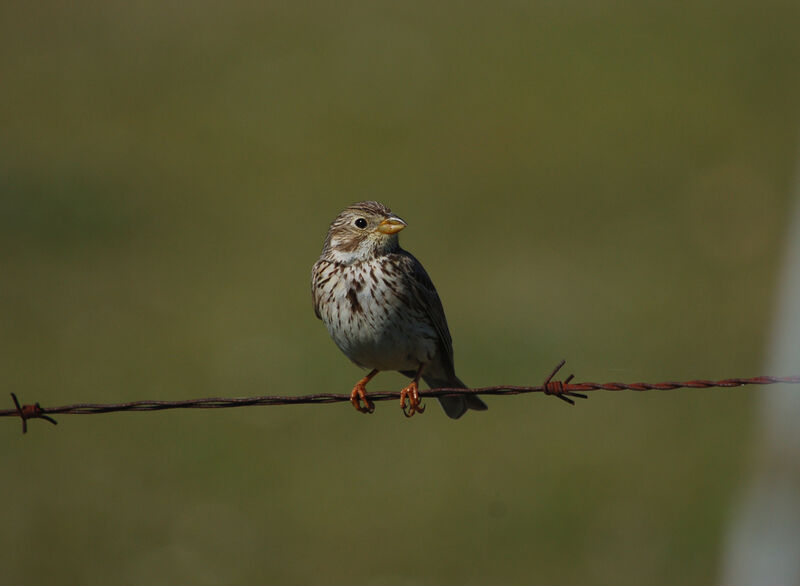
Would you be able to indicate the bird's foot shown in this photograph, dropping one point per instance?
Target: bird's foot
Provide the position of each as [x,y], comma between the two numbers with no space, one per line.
[411,393]
[359,395]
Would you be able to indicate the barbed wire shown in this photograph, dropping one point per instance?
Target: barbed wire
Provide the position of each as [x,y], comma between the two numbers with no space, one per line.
[564,390]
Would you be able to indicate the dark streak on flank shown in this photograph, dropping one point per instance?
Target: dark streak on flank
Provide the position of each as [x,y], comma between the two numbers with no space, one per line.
[352,297]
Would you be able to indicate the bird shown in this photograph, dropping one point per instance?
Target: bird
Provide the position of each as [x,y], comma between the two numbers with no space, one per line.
[382,310]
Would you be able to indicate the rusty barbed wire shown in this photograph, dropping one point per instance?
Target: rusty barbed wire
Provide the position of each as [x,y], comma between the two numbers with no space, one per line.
[564,390]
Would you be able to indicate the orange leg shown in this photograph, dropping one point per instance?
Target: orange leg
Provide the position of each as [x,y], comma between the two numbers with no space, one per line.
[360,394]
[411,392]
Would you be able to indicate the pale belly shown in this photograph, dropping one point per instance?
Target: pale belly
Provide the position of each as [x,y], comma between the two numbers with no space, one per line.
[373,327]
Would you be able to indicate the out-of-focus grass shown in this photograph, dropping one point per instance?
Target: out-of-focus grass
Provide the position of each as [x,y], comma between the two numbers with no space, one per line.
[599,182]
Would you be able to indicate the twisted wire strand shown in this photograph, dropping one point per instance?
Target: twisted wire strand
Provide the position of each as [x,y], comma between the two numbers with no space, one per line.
[564,390]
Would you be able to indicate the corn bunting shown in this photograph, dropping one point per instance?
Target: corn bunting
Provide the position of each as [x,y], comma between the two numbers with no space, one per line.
[382,310]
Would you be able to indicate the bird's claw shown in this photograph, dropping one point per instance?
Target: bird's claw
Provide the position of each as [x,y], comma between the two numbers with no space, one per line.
[358,395]
[411,394]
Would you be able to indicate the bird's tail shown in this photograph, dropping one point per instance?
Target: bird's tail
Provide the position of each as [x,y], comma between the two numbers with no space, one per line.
[455,405]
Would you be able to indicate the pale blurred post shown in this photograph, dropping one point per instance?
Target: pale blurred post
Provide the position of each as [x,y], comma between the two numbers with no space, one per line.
[763,546]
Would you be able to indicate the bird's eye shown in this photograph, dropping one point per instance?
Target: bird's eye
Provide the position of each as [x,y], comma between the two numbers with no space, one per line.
[361,223]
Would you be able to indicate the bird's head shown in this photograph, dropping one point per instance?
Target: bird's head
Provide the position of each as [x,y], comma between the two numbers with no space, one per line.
[362,231]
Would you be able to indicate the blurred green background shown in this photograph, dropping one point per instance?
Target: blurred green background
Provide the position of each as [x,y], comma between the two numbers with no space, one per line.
[605,182]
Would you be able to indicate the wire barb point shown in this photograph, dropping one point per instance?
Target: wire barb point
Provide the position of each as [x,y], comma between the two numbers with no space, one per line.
[560,389]
[26,412]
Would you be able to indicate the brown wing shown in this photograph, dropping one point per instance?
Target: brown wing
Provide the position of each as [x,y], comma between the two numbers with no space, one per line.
[423,289]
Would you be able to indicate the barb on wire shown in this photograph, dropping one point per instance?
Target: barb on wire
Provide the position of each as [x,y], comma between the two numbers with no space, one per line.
[564,390]
[26,412]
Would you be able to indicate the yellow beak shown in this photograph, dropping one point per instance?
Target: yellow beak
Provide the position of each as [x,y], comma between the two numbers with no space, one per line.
[391,225]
